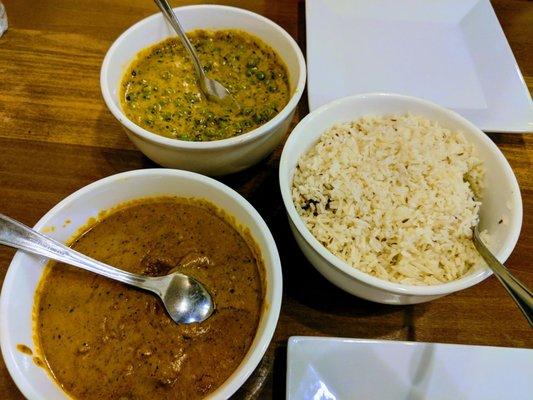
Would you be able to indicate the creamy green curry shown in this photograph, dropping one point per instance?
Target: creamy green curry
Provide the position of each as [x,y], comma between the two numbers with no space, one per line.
[160,93]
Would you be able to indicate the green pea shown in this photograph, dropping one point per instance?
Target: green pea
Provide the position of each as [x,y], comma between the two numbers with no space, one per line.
[260,75]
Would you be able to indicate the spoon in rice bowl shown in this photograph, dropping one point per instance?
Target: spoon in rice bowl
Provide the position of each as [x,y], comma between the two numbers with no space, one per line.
[518,291]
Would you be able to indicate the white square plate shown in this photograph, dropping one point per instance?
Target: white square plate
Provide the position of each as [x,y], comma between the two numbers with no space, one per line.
[335,369]
[452,52]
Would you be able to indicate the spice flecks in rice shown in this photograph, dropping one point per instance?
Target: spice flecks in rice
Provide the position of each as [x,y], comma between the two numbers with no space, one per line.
[394,197]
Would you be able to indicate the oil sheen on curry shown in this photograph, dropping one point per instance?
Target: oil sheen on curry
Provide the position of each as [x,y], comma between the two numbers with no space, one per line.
[104,340]
[159,91]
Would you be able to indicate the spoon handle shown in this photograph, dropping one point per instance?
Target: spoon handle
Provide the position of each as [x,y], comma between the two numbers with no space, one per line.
[518,291]
[171,18]
[17,235]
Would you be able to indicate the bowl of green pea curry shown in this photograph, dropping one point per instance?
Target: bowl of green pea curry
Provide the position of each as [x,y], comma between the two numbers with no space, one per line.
[149,84]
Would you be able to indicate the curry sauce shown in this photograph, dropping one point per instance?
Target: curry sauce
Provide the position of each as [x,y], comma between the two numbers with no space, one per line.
[103,339]
[159,91]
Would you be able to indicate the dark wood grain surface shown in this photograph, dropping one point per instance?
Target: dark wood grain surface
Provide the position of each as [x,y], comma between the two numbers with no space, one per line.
[56,136]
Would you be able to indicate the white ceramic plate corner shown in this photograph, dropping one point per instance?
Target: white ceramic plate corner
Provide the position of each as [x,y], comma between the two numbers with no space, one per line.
[337,368]
[451,52]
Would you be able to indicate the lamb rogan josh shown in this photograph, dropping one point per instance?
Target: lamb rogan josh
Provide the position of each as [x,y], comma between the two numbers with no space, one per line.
[103,339]
[160,93]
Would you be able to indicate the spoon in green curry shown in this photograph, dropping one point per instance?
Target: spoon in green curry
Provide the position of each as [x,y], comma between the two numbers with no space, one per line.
[212,89]
[184,298]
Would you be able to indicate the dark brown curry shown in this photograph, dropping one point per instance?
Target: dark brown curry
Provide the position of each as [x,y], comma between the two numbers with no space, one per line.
[104,340]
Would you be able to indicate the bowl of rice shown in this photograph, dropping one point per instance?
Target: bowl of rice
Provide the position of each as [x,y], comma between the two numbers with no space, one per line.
[382,192]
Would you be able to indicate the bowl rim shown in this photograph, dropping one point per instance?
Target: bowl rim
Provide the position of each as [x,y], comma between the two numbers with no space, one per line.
[212,144]
[285,182]
[271,314]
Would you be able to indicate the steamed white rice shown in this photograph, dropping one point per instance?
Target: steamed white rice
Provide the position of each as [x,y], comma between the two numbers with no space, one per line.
[394,197]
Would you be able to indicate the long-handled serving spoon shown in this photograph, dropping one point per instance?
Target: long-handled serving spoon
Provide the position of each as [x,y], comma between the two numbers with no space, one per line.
[185,299]
[518,291]
[212,89]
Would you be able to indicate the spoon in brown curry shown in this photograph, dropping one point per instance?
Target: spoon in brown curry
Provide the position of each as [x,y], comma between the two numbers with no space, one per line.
[185,299]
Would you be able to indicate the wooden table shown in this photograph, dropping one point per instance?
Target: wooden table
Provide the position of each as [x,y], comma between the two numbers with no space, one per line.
[56,135]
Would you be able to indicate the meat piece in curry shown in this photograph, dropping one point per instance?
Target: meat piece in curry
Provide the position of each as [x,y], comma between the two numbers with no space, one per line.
[105,340]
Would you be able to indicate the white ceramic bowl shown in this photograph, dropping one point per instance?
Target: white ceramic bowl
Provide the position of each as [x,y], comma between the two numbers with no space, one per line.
[216,157]
[501,198]
[25,270]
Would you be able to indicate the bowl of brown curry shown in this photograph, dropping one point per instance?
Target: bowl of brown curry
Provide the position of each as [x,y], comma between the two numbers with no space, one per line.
[69,333]
[149,85]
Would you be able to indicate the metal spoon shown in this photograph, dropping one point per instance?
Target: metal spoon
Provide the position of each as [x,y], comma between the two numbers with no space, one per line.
[518,291]
[185,299]
[213,90]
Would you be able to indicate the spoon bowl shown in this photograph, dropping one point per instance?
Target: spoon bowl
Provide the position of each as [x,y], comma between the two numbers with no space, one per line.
[215,91]
[184,298]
